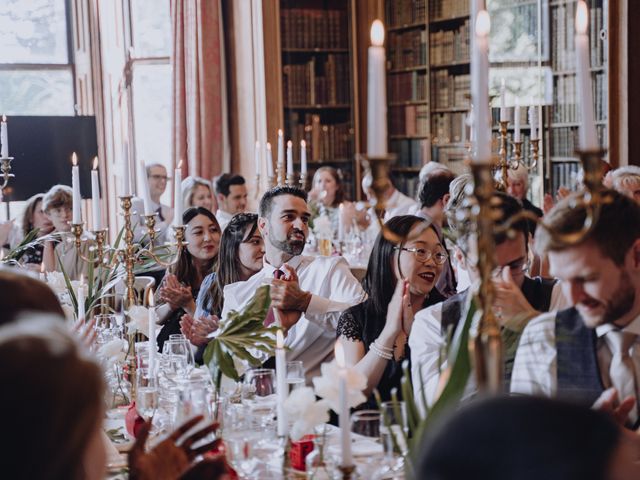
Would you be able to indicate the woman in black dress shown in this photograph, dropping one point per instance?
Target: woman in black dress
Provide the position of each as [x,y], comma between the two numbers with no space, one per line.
[400,280]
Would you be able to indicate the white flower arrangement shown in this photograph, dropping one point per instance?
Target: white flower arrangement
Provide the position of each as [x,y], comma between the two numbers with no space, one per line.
[306,412]
[113,351]
[138,320]
[328,388]
[322,227]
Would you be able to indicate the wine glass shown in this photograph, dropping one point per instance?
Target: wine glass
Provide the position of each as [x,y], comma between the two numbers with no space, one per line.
[366,423]
[261,381]
[259,395]
[107,328]
[178,356]
[295,375]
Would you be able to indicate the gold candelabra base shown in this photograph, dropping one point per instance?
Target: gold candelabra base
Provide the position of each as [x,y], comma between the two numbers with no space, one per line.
[5,168]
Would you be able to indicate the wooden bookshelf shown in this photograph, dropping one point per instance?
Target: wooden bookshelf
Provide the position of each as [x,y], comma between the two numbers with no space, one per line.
[317,84]
[565,113]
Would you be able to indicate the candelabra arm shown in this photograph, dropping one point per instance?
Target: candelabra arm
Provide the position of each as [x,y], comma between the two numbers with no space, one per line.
[128,253]
[5,168]
[516,160]
[535,153]
[503,163]
[179,245]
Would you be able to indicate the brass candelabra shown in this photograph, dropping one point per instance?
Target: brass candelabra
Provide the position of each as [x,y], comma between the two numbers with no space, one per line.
[5,168]
[99,245]
[302,180]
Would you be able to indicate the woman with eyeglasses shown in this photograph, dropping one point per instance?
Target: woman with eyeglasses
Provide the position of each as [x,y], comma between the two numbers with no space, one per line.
[400,281]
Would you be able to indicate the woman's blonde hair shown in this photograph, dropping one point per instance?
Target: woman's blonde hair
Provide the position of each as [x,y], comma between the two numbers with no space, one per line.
[189,186]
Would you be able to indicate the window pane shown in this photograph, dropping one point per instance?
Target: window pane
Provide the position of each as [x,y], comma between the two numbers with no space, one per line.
[36,92]
[152,115]
[151,28]
[33,31]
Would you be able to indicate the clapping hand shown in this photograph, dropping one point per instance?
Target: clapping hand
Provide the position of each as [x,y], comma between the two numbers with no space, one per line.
[172,457]
[400,311]
[514,309]
[608,402]
[197,330]
[176,294]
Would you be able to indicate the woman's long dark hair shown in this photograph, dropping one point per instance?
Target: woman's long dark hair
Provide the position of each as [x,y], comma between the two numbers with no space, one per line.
[380,280]
[229,266]
[29,212]
[185,269]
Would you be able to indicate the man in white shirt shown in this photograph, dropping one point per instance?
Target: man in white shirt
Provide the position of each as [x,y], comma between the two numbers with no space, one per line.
[593,346]
[157,180]
[312,292]
[519,298]
[231,194]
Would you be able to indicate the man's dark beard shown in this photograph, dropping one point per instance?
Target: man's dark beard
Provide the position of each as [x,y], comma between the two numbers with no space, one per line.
[292,247]
[622,301]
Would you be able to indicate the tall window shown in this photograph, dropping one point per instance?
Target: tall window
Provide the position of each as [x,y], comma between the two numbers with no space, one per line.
[36,65]
[151,85]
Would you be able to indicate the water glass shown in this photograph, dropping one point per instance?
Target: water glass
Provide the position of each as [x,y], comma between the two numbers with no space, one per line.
[295,375]
[394,427]
[107,328]
[178,360]
[147,393]
[366,423]
[261,381]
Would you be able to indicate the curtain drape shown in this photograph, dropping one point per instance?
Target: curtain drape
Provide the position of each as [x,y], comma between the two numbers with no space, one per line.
[199,111]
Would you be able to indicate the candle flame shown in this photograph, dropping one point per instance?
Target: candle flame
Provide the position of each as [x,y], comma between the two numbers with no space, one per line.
[483,23]
[377,33]
[339,354]
[150,299]
[280,132]
[289,144]
[95,163]
[179,167]
[279,339]
[582,18]
[74,159]
[303,144]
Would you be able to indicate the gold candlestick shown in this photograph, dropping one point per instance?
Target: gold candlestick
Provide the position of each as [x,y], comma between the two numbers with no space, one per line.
[179,245]
[5,167]
[503,164]
[150,222]
[128,253]
[101,237]
[535,146]
[77,231]
[517,154]
[487,343]
[291,179]
[302,180]
[280,173]
[257,194]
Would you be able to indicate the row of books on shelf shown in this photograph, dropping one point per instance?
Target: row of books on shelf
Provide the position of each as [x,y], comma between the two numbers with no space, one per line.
[408,184]
[448,127]
[565,98]
[411,153]
[405,12]
[317,81]
[450,91]
[449,46]
[407,87]
[324,141]
[407,49]
[564,174]
[448,8]
[564,140]
[563,37]
[409,120]
[306,28]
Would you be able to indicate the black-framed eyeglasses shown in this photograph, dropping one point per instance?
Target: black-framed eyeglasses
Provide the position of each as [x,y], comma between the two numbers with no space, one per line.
[423,255]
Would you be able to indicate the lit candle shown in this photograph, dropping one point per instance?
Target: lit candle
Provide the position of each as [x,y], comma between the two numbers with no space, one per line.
[290,171]
[126,171]
[257,158]
[281,383]
[269,161]
[516,121]
[376,93]
[503,102]
[588,135]
[344,420]
[280,150]
[152,333]
[75,185]
[178,207]
[480,89]
[533,122]
[4,138]
[95,197]
[146,196]
[80,297]
[341,223]
[303,157]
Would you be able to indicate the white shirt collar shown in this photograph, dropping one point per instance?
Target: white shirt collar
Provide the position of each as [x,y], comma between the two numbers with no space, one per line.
[633,327]
[293,262]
